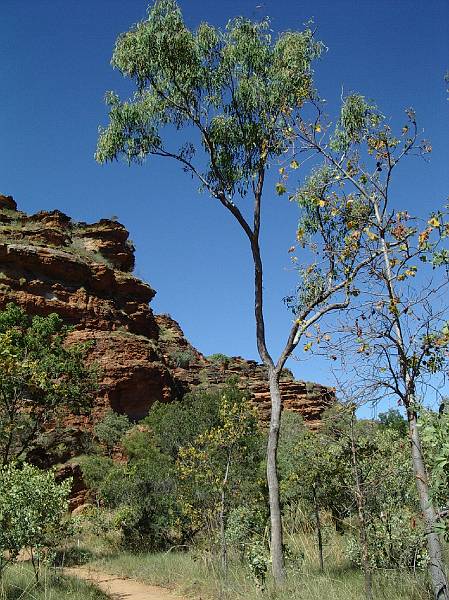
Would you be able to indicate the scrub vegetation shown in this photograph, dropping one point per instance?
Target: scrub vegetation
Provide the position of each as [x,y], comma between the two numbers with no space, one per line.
[200,495]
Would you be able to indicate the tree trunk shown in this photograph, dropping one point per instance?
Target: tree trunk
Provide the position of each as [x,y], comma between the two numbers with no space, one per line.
[436,563]
[224,547]
[360,501]
[318,529]
[277,555]
[365,551]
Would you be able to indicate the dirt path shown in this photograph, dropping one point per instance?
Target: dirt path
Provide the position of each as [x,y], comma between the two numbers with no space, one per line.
[121,588]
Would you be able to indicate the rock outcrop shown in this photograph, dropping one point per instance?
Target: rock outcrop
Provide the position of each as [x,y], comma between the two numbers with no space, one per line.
[193,369]
[83,272]
[49,264]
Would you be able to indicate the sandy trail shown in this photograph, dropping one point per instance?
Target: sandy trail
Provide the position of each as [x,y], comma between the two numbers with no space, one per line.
[121,588]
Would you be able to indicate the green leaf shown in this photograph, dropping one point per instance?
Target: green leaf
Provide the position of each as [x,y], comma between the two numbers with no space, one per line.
[280,188]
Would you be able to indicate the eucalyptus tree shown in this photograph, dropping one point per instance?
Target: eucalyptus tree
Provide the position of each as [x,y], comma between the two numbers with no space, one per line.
[398,325]
[233,97]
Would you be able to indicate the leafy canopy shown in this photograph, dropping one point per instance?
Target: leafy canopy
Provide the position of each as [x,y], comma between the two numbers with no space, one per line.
[33,511]
[236,87]
[41,381]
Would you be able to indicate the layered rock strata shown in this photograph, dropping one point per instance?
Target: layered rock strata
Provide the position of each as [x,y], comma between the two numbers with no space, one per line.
[49,264]
[83,272]
[193,369]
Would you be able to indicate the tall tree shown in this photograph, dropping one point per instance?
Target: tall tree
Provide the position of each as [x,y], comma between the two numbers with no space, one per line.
[398,323]
[237,95]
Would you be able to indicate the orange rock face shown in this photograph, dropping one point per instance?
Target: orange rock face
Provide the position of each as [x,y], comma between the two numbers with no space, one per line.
[82,272]
[48,263]
[193,369]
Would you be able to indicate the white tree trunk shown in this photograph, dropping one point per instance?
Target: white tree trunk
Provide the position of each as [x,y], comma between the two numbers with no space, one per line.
[436,563]
[277,555]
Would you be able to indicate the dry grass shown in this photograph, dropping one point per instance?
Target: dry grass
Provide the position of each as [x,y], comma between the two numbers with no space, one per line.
[198,576]
[18,583]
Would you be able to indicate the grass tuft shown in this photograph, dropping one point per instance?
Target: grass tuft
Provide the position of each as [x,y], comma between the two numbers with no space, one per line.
[197,575]
[18,583]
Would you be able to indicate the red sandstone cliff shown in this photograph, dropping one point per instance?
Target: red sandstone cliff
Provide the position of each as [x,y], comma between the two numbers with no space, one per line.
[48,263]
[193,369]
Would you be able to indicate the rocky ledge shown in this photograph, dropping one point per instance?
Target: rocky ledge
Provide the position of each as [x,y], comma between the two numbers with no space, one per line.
[83,272]
[192,369]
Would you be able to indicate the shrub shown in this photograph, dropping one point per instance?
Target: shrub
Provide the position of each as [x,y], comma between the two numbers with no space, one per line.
[140,492]
[395,541]
[245,524]
[111,429]
[177,424]
[182,358]
[287,374]
[41,381]
[166,334]
[33,511]
[219,359]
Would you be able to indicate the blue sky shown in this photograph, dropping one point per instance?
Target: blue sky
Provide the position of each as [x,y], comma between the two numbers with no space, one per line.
[54,70]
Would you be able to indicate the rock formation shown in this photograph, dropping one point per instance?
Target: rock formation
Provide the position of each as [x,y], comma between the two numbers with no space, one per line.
[192,369]
[83,272]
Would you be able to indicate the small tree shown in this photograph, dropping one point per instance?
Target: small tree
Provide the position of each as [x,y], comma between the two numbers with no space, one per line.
[384,501]
[404,343]
[41,381]
[313,474]
[111,429]
[33,513]
[402,333]
[212,464]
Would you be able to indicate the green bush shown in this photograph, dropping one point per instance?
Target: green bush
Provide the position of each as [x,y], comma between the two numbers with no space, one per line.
[177,424]
[166,334]
[41,382]
[182,358]
[287,375]
[106,478]
[139,492]
[245,533]
[111,429]
[219,359]
[395,541]
[73,556]
[33,513]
